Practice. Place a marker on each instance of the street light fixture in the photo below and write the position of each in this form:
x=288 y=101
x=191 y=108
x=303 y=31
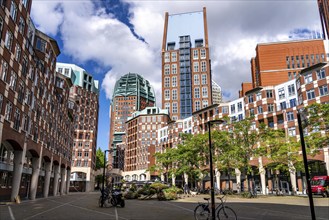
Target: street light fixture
x=212 y=191
x=301 y=117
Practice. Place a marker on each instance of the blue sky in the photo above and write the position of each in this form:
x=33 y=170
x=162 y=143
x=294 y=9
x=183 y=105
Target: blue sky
x=109 y=38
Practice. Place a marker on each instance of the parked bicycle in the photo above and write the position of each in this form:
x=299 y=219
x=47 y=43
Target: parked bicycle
x=203 y=212
x=111 y=197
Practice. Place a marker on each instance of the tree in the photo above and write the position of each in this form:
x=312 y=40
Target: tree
x=99 y=159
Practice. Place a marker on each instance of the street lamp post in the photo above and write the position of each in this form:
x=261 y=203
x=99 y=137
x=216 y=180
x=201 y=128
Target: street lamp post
x=104 y=170
x=300 y=114
x=212 y=191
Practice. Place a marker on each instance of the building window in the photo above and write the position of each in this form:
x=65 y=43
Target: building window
x=283 y=105
x=250 y=98
x=41 y=45
x=204 y=79
x=258 y=96
x=308 y=78
x=167 y=94
x=204 y=103
x=260 y=109
x=293 y=102
x=173 y=57
x=86 y=153
x=24 y=2
x=197 y=105
x=203 y=53
x=167 y=57
x=9 y=40
x=174 y=68
x=291 y=90
x=196 y=79
x=195 y=66
x=1 y=101
x=323 y=90
x=292 y=132
x=290 y=116
x=174 y=107
x=270 y=107
x=8 y=110
x=203 y=66
x=239 y=106
x=225 y=109
x=18 y=52
x=13 y=10
x=197 y=93
x=281 y=93
x=67 y=71
x=13 y=79
x=17 y=119
x=174 y=81
x=166 y=69
x=252 y=112
x=167 y=106
x=269 y=93
x=310 y=94
x=195 y=54
x=174 y=94
x=21 y=27
x=167 y=82
x=204 y=92
x=4 y=71
x=321 y=74
x=233 y=109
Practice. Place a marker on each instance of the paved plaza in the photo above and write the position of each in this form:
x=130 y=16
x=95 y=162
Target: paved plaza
x=85 y=206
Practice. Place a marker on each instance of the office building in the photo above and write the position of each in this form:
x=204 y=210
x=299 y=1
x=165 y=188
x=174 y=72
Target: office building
x=85 y=95
x=324 y=16
x=131 y=93
x=278 y=62
x=36 y=126
x=186 y=67
x=216 y=93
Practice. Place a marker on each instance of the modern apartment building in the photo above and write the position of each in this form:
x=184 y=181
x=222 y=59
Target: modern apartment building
x=278 y=62
x=141 y=140
x=131 y=93
x=85 y=95
x=324 y=16
x=216 y=93
x=36 y=124
x=186 y=67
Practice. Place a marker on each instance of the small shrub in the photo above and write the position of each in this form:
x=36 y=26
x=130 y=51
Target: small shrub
x=130 y=195
x=245 y=194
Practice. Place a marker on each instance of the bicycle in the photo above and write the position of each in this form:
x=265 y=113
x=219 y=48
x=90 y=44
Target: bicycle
x=202 y=211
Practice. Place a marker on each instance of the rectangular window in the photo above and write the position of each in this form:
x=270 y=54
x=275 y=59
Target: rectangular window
x=203 y=66
x=252 y=112
x=258 y=96
x=233 y=109
x=167 y=82
x=321 y=74
x=281 y=93
x=204 y=92
x=8 y=110
x=225 y=109
x=197 y=93
x=269 y=93
x=290 y=116
x=13 y=79
x=166 y=69
x=323 y=90
x=204 y=79
x=195 y=66
x=174 y=94
x=195 y=54
x=260 y=109
x=174 y=107
x=18 y=52
x=167 y=106
x=250 y=98
x=167 y=94
x=270 y=107
x=174 y=81
x=292 y=132
x=173 y=57
x=196 y=79
x=13 y=10
x=239 y=106
x=308 y=78
x=9 y=40
x=167 y=57
x=197 y=105
x=203 y=53
x=291 y=90
x=310 y=94
x=283 y=105
x=17 y=119
x=4 y=71
x=21 y=25
x=174 y=68
x=41 y=45
x=204 y=103
x=293 y=102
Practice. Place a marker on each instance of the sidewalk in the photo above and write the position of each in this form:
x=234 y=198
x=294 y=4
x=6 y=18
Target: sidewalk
x=288 y=200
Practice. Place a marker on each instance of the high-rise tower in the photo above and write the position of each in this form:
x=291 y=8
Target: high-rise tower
x=131 y=93
x=324 y=16
x=186 y=69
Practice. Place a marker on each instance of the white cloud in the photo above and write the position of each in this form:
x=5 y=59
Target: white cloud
x=235 y=28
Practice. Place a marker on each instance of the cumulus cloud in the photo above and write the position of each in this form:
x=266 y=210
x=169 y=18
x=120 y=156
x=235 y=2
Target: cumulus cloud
x=89 y=32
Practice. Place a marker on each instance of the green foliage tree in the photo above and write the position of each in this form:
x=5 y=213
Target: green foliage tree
x=99 y=159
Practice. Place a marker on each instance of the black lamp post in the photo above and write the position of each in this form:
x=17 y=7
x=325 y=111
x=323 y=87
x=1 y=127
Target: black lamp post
x=300 y=115
x=212 y=191
x=104 y=170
